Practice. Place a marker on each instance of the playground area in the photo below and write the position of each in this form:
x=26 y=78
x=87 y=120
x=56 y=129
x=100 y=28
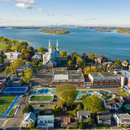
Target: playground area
x=83 y=93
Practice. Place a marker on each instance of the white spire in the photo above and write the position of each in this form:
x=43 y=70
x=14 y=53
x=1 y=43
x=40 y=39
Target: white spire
x=57 y=46
x=49 y=49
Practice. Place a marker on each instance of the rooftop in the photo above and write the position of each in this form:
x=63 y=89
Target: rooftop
x=123 y=116
x=103 y=74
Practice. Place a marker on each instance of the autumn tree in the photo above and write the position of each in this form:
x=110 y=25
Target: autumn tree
x=63 y=53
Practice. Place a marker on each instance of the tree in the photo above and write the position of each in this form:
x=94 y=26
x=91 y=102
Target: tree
x=77 y=125
x=1 y=59
x=81 y=125
x=90 y=121
x=31 y=50
x=31 y=124
x=87 y=70
x=42 y=49
x=91 y=56
x=27 y=75
x=81 y=63
x=118 y=62
x=67 y=93
x=70 y=62
x=63 y=53
x=93 y=103
x=79 y=107
x=129 y=69
x=93 y=69
x=28 y=108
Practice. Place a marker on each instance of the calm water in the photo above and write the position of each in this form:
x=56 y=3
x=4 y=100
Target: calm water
x=112 y=45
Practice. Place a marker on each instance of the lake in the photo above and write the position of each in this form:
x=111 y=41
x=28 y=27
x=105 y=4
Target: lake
x=113 y=45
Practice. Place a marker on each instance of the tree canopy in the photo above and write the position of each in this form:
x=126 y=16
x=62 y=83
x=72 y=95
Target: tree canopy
x=67 y=93
x=93 y=103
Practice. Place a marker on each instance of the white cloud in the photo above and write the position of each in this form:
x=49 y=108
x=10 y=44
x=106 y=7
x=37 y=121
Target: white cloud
x=40 y=9
x=50 y=14
x=23 y=1
x=22 y=5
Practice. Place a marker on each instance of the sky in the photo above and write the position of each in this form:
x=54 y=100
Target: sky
x=65 y=12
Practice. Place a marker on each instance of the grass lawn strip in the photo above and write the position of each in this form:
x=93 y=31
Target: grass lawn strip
x=5 y=102
x=41 y=98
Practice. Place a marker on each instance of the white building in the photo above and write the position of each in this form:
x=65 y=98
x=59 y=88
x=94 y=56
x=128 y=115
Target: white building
x=37 y=56
x=13 y=55
x=52 y=57
x=28 y=117
x=123 y=119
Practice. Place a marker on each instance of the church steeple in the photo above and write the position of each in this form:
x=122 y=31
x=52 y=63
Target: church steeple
x=57 y=46
x=49 y=46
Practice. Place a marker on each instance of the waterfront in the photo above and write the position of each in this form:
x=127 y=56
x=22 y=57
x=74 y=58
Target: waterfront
x=112 y=45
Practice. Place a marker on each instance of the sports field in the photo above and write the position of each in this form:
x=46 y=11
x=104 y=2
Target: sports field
x=5 y=102
x=41 y=98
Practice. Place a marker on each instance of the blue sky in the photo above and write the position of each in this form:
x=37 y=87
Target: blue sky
x=65 y=12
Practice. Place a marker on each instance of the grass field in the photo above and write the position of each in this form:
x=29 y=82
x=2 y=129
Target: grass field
x=3 y=45
x=5 y=102
x=41 y=98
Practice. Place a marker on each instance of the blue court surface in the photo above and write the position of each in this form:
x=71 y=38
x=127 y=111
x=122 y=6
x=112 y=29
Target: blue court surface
x=15 y=90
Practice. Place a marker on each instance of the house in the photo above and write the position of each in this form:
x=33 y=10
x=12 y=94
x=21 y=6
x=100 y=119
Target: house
x=65 y=121
x=2 y=67
x=37 y=56
x=45 y=121
x=125 y=99
x=125 y=63
x=104 y=118
x=52 y=58
x=100 y=60
x=115 y=104
x=83 y=115
x=13 y=55
x=28 y=117
x=108 y=64
x=104 y=79
x=122 y=118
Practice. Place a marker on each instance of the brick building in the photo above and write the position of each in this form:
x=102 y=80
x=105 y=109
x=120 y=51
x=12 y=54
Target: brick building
x=104 y=79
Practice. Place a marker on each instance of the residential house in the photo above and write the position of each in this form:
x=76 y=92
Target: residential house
x=65 y=121
x=104 y=118
x=28 y=117
x=122 y=118
x=37 y=56
x=83 y=115
x=45 y=121
x=125 y=99
x=115 y=104
x=102 y=59
x=2 y=82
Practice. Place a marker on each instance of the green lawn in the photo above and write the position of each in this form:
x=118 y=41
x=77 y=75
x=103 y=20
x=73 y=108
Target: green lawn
x=3 y=45
x=41 y=98
x=5 y=102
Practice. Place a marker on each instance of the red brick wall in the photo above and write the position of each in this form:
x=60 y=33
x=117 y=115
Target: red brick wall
x=2 y=85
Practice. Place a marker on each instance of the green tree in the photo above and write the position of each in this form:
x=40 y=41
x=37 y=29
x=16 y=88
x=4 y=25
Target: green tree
x=42 y=49
x=93 y=103
x=27 y=75
x=81 y=63
x=90 y=121
x=91 y=56
x=28 y=108
x=1 y=59
x=67 y=93
x=70 y=62
x=77 y=125
x=118 y=62
x=31 y=124
x=81 y=125
x=79 y=107
x=129 y=69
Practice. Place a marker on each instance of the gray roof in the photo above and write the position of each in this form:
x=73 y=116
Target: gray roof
x=83 y=113
x=104 y=116
x=30 y=115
